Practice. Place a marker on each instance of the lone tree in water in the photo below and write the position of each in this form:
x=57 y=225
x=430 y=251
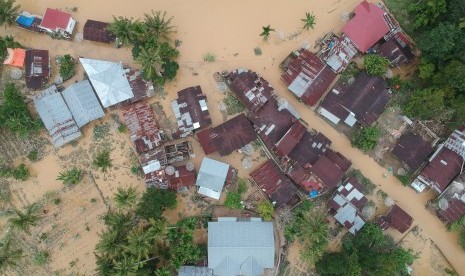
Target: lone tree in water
x=8 y=12
x=309 y=20
x=266 y=32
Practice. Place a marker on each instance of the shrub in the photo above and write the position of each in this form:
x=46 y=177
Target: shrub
x=155 y=201
x=265 y=209
x=257 y=51
x=57 y=201
x=209 y=57
x=366 y=138
x=101 y=131
x=122 y=128
x=21 y=173
x=375 y=64
x=233 y=200
x=72 y=176
x=67 y=67
x=33 y=155
x=233 y=105
x=93 y=200
x=242 y=186
x=5 y=171
x=103 y=161
x=41 y=258
x=404 y=179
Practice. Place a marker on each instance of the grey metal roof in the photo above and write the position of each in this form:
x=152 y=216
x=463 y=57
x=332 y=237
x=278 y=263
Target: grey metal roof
x=212 y=174
x=56 y=116
x=240 y=247
x=83 y=103
x=109 y=80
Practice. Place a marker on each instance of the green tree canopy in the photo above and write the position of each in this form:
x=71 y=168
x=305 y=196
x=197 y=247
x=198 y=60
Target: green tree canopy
x=126 y=198
x=440 y=43
x=265 y=209
x=309 y=20
x=366 y=138
x=426 y=12
x=233 y=200
x=8 y=12
x=67 y=67
x=266 y=31
x=154 y=202
x=375 y=64
x=425 y=103
x=103 y=160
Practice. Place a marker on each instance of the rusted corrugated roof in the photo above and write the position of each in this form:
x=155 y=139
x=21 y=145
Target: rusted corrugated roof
x=292 y=137
x=397 y=218
x=444 y=167
x=37 y=65
x=412 y=150
x=97 y=31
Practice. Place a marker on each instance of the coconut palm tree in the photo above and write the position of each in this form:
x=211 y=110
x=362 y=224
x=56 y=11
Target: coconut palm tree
x=110 y=244
x=72 y=176
x=24 y=220
x=9 y=255
x=151 y=62
x=126 y=199
x=128 y=265
x=158 y=25
x=119 y=222
x=140 y=243
x=309 y=20
x=266 y=31
x=8 y=12
x=123 y=29
x=102 y=160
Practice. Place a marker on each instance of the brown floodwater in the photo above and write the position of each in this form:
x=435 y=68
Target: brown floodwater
x=230 y=30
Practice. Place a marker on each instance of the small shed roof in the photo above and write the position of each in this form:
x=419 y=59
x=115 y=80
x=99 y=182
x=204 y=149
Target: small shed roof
x=83 y=103
x=37 y=63
x=240 y=247
x=367 y=27
x=212 y=174
x=15 y=57
x=396 y=50
x=56 y=116
x=412 y=150
x=109 y=81
x=55 y=19
x=227 y=137
x=97 y=31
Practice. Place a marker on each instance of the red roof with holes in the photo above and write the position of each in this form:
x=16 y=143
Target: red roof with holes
x=367 y=27
x=54 y=19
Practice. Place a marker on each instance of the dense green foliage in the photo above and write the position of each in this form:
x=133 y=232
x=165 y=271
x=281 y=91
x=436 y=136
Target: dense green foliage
x=233 y=200
x=309 y=20
x=370 y=252
x=21 y=172
x=72 y=176
x=103 y=161
x=33 y=155
x=154 y=202
x=375 y=65
x=7 y=42
x=266 y=31
x=366 y=138
x=266 y=209
x=437 y=91
x=14 y=114
x=309 y=228
x=67 y=67
x=151 y=44
x=233 y=105
x=8 y=12
x=126 y=198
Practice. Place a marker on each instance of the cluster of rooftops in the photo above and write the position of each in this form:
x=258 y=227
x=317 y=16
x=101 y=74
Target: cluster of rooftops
x=301 y=163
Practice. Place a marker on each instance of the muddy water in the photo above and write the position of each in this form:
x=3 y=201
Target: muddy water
x=230 y=30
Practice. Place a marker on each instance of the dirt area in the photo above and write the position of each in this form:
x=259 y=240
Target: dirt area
x=233 y=45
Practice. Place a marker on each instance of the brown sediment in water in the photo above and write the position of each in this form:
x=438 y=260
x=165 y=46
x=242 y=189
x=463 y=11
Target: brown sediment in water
x=231 y=32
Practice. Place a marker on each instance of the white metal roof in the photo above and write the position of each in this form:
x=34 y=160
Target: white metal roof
x=109 y=81
x=212 y=174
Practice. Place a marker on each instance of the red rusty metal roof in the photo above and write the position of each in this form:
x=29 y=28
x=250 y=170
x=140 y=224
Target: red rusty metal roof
x=97 y=31
x=312 y=75
x=292 y=137
x=143 y=128
x=440 y=172
x=55 y=19
x=327 y=172
x=367 y=27
x=397 y=218
x=227 y=137
x=275 y=185
x=340 y=160
x=454 y=211
x=412 y=150
x=310 y=148
x=396 y=50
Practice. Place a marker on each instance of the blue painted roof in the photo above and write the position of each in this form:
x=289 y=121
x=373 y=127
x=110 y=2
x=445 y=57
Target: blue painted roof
x=313 y=193
x=25 y=20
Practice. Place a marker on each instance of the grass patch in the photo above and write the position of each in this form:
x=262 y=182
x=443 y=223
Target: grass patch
x=101 y=131
x=257 y=51
x=209 y=57
x=21 y=173
x=41 y=258
x=405 y=179
x=33 y=155
x=233 y=105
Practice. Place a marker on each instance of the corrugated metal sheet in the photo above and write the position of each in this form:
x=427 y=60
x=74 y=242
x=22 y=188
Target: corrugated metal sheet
x=212 y=174
x=83 y=103
x=56 y=116
x=240 y=247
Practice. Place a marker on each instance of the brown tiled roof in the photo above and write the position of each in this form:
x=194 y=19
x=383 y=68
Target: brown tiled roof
x=190 y=110
x=97 y=31
x=292 y=137
x=440 y=172
x=314 y=77
x=454 y=211
x=143 y=128
x=37 y=63
x=412 y=150
x=272 y=124
x=367 y=98
x=328 y=172
x=396 y=50
x=251 y=89
x=227 y=137
x=397 y=218
x=276 y=186
x=310 y=148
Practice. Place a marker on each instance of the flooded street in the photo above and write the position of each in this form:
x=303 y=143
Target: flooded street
x=230 y=30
